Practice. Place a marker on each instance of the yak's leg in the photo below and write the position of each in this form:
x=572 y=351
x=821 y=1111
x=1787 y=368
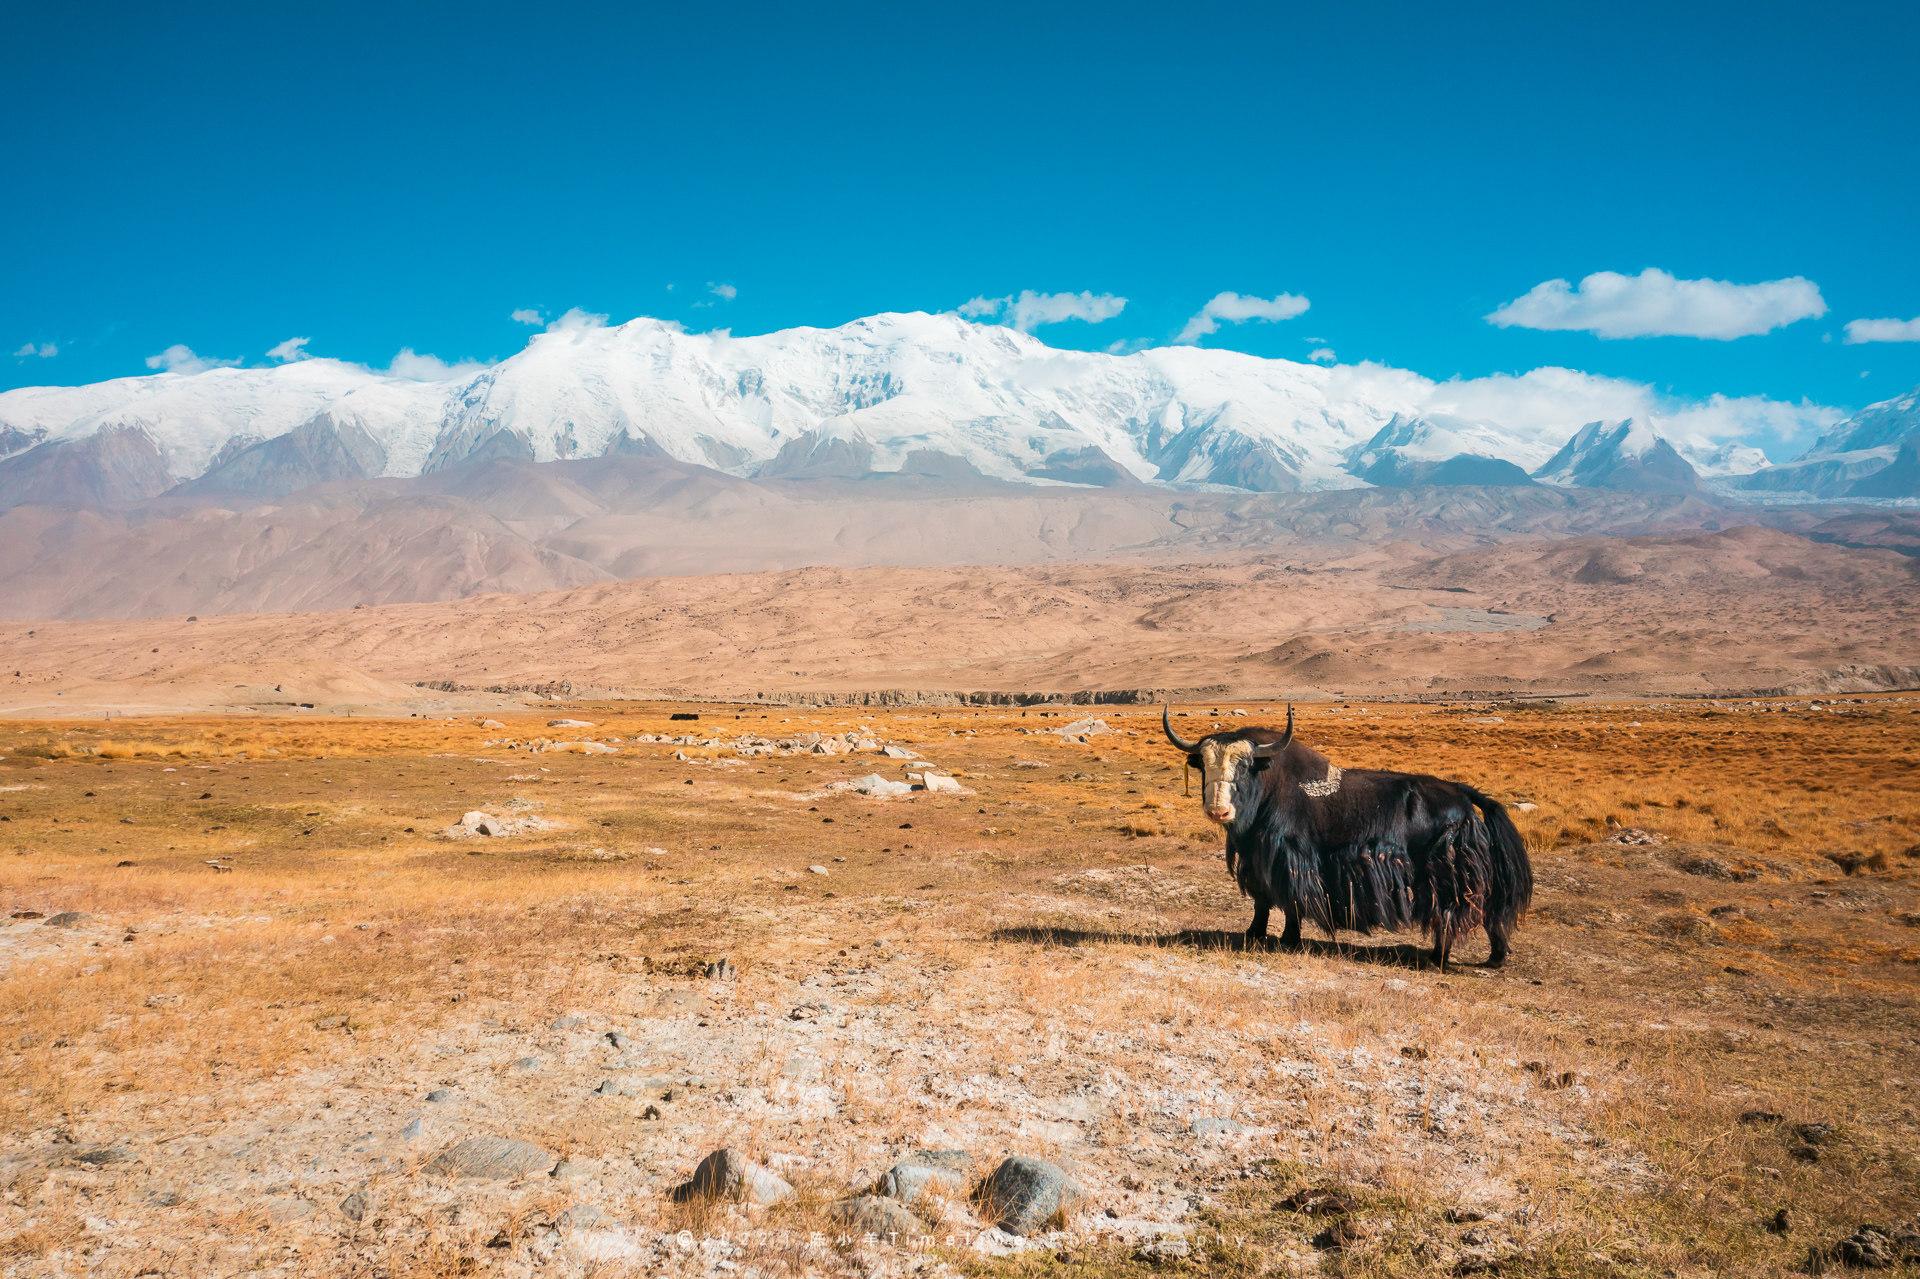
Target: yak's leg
x=1497 y=934
x=1257 y=930
x=1290 y=935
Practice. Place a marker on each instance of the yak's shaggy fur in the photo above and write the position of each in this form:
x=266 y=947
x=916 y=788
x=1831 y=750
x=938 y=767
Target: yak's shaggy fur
x=1380 y=850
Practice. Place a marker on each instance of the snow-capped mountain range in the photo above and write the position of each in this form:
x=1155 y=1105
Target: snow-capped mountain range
x=934 y=394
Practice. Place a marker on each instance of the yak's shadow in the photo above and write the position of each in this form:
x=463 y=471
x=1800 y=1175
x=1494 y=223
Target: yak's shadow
x=1393 y=954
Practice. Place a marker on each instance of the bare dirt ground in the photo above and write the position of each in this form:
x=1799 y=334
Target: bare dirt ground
x=289 y=989
x=1743 y=609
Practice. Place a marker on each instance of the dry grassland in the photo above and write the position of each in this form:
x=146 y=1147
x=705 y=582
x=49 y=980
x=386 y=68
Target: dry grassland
x=1701 y=1060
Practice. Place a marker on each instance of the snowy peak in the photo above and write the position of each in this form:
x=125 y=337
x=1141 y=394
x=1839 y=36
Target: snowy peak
x=1848 y=460
x=1439 y=449
x=932 y=395
x=1627 y=455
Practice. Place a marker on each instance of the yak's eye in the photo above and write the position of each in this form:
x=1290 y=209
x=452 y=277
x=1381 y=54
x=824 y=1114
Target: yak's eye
x=1260 y=765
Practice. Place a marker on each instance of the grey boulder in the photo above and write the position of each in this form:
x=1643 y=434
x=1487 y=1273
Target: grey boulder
x=728 y=1174
x=1025 y=1195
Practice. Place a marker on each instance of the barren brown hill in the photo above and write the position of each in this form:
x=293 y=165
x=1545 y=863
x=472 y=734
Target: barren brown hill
x=1743 y=609
x=519 y=528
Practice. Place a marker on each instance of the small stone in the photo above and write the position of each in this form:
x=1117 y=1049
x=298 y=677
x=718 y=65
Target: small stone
x=354 y=1206
x=440 y=1094
x=619 y=1041
x=817 y=870
x=568 y=723
x=579 y=1216
x=414 y=1127
x=66 y=919
x=876 y=1215
x=1163 y=1249
x=490 y=1158
x=491 y=723
x=608 y=1088
x=527 y=1064
x=1024 y=1195
x=913 y=1177
x=728 y=1174
x=102 y=1156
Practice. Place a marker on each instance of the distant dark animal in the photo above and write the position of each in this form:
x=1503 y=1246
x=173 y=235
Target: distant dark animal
x=1359 y=848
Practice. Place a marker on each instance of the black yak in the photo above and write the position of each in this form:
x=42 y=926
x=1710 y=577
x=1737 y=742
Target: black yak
x=1358 y=848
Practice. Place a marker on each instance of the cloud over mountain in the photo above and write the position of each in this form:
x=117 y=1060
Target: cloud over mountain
x=1656 y=304
x=1238 y=308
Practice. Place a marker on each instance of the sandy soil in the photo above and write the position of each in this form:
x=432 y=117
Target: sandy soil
x=1743 y=609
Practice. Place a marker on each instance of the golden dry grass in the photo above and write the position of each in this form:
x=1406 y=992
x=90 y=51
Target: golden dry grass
x=996 y=961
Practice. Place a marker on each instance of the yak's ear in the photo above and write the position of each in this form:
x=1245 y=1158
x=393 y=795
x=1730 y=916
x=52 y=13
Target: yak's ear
x=1194 y=761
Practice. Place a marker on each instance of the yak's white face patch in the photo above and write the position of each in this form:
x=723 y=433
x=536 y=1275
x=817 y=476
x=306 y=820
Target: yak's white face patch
x=1220 y=766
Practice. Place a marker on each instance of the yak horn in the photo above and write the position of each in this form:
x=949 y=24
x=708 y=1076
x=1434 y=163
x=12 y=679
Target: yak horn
x=1166 y=722
x=1274 y=748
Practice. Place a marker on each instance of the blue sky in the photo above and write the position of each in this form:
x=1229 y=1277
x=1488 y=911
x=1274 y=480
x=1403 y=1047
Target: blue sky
x=401 y=176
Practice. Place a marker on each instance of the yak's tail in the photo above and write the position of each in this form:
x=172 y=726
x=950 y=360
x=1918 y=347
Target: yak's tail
x=1510 y=890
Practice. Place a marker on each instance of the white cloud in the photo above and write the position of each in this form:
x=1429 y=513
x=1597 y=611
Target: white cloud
x=42 y=351
x=725 y=292
x=1028 y=310
x=1859 y=331
x=574 y=319
x=179 y=358
x=289 y=350
x=1238 y=308
x=1550 y=404
x=415 y=367
x=1655 y=304
x=1323 y=355
x=527 y=315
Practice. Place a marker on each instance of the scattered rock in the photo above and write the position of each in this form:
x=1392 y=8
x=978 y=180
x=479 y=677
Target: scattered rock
x=1851 y=863
x=491 y=1159
x=817 y=870
x=1163 y=1250
x=872 y=785
x=578 y=1217
x=1868 y=1248
x=66 y=919
x=1319 y=1201
x=1025 y=1195
x=567 y=1021
x=1634 y=836
x=939 y=784
x=728 y=1174
x=440 y=1094
x=102 y=1156
x=876 y=1215
x=897 y=752
x=1084 y=728
x=354 y=1207
x=567 y=723
x=491 y=723
x=923 y=1171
